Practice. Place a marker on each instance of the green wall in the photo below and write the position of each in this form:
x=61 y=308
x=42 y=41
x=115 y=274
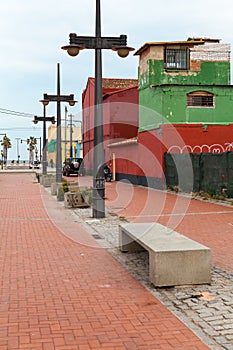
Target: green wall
x=162 y=95
x=217 y=73
x=161 y=105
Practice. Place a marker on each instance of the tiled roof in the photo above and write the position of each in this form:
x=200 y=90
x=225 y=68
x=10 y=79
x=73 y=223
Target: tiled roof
x=111 y=85
x=117 y=83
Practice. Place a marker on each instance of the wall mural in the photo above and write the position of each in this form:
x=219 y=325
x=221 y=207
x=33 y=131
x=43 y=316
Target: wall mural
x=214 y=148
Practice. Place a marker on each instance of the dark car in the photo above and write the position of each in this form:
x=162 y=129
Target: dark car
x=73 y=166
x=35 y=165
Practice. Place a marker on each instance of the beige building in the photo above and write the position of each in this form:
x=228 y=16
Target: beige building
x=65 y=143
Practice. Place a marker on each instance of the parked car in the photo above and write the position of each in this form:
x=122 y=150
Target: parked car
x=73 y=166
x=35 y=165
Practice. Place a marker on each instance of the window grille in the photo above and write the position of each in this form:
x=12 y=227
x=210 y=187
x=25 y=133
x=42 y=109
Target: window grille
x=200 y=99
x=176 y=59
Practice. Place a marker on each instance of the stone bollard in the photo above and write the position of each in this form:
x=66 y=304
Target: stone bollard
x=54 y=187
x=47 y=180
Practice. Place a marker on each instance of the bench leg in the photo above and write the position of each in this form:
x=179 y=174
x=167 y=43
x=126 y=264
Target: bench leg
x=127 y=244
x=180 y=268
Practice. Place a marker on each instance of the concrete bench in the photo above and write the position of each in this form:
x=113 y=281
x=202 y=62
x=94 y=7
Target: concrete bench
x=173 y=258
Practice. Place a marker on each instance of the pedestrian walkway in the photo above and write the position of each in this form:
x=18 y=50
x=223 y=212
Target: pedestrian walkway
x=207 y=222
x=62 y=293
x=206 y=309
x=204 y=221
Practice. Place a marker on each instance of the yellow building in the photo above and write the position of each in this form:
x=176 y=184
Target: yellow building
x=77 y=150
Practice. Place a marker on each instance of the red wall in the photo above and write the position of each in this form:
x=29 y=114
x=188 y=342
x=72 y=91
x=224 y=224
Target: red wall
x=88 y=99
x=198 y=138
x=141 y=158
x=120 y=119
x=146 y=157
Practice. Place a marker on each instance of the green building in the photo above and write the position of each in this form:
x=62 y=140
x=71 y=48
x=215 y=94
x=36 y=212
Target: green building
x=184 y=82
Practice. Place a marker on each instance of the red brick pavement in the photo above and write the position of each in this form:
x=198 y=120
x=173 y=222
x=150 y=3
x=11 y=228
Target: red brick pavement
x=59 y=294
x=208 y=223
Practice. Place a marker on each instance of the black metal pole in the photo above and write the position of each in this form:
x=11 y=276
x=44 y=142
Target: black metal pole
x=18 y=149
x=44 y=162
x=40 y=149
x=58 y=148
x=65 y=129
x=18 y=155
x=71 y=131
x=98 y=178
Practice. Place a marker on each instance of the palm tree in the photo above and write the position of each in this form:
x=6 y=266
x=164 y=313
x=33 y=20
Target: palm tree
x=31 y=146
x=6 y=143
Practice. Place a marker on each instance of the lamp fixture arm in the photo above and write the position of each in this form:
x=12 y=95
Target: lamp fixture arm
x=90 y=42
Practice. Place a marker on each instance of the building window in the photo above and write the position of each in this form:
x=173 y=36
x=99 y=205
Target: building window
x=176 y=59
x=200 y=99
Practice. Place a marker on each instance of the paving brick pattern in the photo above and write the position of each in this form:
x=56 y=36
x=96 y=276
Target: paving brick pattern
x=203 y=221
x=206 y=309
x=56 y=293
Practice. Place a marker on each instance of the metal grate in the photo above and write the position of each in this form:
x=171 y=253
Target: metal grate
x=176 y=59
x=96 y=236
x=200 y=101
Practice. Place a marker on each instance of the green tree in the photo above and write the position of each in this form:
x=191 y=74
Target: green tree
x=31 y=141
x=6 y=143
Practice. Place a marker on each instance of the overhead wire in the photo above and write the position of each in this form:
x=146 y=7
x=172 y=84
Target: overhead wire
x=22 y=114
x=20 y=128
x=15 y=113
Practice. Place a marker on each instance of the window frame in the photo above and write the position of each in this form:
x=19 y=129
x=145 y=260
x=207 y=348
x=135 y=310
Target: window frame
x=184 y=62
x=200 y=99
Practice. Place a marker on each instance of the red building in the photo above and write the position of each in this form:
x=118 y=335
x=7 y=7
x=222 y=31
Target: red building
x=141 y=159
x=185 y=106
x=181 y=103
x=120 y=115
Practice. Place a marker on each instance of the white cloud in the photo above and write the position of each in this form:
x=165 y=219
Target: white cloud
x=32 y=33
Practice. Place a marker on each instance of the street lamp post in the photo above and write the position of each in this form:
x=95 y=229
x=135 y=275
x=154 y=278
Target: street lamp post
x=71 y=132
x=36 y=150
x=18 y=155
x=44 y=119
x=71 y=124
x=98 y=43
x=81 y=132
x=58 y=98
x=66 y=111
x=2 y=154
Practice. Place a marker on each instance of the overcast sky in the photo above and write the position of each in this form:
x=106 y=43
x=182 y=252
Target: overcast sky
x=32 y=33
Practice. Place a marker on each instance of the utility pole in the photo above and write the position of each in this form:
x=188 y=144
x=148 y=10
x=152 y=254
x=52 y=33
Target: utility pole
x=66 y=111
x=71 y=132
x=18 y=155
